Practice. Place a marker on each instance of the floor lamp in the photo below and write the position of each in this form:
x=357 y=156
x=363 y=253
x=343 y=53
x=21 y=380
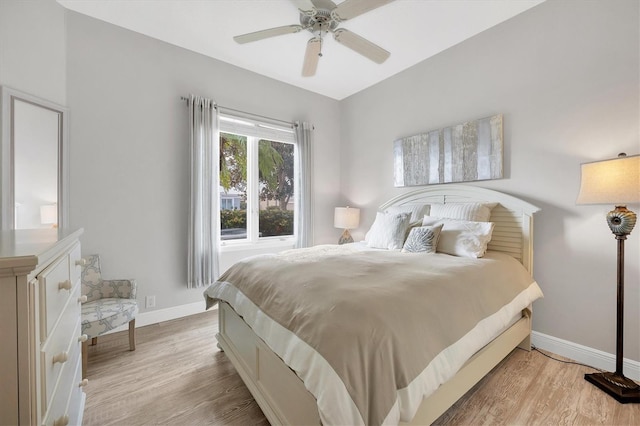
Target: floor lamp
x=617 y=182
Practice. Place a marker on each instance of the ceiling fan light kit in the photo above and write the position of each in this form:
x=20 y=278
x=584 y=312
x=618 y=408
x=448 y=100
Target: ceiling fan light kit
x=321 y=17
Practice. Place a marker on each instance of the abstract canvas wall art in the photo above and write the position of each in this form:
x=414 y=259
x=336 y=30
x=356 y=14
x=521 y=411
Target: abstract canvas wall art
x=462 y=153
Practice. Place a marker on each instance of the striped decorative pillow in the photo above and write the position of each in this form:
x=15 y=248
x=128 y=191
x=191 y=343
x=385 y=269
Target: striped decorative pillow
x=417 y=212
x=476 y=212
x=422 y=239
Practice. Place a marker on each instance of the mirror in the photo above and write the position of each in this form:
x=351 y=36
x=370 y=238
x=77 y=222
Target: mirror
x=34 y=162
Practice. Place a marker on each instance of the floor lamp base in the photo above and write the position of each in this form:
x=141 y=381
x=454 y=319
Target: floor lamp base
x=624 y=390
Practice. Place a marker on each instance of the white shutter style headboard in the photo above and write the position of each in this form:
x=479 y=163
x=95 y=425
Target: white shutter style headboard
x=513 y=217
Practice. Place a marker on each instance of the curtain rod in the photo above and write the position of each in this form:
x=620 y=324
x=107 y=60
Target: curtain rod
x=249 y=114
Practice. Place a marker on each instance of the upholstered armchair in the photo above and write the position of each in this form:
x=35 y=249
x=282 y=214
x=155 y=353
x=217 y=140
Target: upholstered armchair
x=109 y=304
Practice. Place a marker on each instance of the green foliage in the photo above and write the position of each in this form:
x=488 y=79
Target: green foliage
x=275 y=168
x=269 y=162
x=233 y=162
x=233 y=219
x=273 y=222
x=280 y=185
x=276 y=222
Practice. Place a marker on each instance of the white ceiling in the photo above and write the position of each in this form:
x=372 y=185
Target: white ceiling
x=412 y=30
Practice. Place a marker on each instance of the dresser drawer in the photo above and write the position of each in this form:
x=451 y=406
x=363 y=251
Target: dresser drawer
x=55 y=290
x=75 y=263
x=75 y=408
x=65 y=407
x=61 y=349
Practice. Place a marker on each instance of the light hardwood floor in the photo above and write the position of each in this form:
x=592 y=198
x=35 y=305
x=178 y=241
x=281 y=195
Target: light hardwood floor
x=177 y=376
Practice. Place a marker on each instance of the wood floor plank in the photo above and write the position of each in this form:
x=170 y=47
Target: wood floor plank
x=177 y=376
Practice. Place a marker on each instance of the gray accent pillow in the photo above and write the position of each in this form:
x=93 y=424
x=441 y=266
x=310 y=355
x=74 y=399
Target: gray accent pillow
x=422 y=239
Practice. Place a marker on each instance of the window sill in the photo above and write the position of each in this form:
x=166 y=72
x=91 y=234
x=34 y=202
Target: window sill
x=276 y=243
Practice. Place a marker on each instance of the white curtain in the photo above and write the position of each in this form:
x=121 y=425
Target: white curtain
x=304 y=164
x=203 y=196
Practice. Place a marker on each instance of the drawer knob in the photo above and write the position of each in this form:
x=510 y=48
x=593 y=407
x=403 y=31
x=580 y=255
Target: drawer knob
x=62 y=357
x=83 y=338
x=64 y=285
x=82 y=299
x=83 y=383
x=61 y=421
x=81 y=262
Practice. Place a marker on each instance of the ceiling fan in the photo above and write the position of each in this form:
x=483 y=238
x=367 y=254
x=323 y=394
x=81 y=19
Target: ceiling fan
x=321 y=17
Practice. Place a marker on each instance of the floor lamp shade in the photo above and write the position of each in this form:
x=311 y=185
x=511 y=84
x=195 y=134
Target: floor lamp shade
x=346 y=218
x=617 y=182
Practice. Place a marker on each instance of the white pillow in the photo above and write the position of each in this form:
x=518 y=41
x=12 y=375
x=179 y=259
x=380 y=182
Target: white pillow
x=462 y=237
x=422 y=239
x=417 y=212
x=388 y=231
x=476 y=212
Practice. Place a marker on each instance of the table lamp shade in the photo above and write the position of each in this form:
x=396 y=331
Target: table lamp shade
x=346 y=217
x=49 y=214
x=615 y=181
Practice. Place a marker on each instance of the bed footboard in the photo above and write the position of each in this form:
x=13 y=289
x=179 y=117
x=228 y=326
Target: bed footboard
x=283 y=398
x=276 y=388
x=473 y=371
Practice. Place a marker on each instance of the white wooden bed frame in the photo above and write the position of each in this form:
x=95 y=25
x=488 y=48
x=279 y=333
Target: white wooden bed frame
x=281 y=394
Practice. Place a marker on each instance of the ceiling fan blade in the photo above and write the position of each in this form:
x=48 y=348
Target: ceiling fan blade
x=349 y=9
x=324 y=4
x=304 y=5
x=361 y=45
x=271 y=32
x=311 y=57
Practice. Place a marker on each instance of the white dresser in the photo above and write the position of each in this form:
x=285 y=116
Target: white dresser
x=40 y=350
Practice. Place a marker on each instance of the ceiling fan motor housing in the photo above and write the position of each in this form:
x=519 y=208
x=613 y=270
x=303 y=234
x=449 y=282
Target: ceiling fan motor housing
x=320 y=21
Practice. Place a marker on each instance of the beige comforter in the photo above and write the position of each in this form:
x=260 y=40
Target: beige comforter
x=377 y=317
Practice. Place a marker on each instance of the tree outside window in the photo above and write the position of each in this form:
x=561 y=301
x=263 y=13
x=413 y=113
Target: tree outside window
x=259 y=175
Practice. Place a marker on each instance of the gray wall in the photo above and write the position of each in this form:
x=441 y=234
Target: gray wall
x=32 y=59
x=129 y=148
x=565 y=74
x=33 y=48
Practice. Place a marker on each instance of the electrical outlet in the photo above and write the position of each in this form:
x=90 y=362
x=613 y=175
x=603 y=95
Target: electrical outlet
x=150 y=302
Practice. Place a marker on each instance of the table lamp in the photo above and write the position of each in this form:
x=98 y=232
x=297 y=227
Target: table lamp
x=615 y=181
x=49 y=215
x=346 y=218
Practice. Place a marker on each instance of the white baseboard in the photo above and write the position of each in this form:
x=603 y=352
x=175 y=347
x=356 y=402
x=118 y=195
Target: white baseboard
x=584 y=354
x=166 y=314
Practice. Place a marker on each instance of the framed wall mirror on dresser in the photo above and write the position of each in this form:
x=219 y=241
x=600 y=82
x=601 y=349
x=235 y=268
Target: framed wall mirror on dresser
x=34 y=178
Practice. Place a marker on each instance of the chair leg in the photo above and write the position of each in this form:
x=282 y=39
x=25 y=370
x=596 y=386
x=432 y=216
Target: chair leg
x=132 y=335
x=85 y=358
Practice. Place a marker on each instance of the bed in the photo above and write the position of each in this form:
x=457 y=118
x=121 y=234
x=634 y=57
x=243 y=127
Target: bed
x=309 y=371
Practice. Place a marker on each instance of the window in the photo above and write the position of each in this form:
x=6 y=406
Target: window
x=229 y=203
x=257 y=174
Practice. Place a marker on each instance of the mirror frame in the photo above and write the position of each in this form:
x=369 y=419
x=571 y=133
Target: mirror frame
x=7 y=196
